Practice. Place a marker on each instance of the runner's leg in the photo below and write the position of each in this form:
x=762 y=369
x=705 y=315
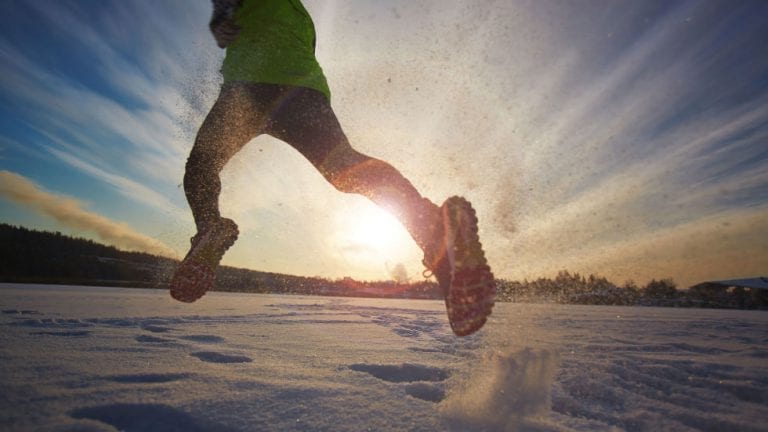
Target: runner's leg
x=233 y=121
x=306 y=121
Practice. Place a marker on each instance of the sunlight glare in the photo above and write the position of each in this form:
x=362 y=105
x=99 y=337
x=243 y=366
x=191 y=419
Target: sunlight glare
x=376 y=229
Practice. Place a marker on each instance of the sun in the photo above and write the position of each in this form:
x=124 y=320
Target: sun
x=371 y=241
x=376 y=229
x=367 y=232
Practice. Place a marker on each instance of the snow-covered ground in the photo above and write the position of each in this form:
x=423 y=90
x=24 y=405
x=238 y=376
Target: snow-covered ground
x=95 y=359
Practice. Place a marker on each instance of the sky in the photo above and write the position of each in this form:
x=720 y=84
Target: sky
x=621 y=138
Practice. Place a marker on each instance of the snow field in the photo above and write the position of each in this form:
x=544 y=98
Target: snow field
x=103 y=359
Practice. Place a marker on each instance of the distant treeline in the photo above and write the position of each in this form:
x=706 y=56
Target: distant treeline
x=44 y=257
x=30 y=256
x=572 y=288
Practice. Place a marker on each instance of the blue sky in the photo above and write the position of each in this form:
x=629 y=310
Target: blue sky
x=623 y=138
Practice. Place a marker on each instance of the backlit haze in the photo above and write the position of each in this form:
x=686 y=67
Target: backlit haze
x=623 y=138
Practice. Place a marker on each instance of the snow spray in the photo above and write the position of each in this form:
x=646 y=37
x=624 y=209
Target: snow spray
x=505 y=391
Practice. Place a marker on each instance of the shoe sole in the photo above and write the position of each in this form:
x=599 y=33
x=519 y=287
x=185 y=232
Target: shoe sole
x=472 y=292
x=196 y=273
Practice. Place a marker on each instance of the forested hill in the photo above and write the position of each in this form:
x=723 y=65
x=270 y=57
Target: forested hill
x=31 y=256
x=38 y=256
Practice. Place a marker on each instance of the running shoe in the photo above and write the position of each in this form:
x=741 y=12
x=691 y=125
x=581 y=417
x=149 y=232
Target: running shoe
x=472 y=290
x=197 y=272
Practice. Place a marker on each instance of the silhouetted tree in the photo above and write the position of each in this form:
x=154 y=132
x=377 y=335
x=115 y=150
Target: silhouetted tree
x=660 y=289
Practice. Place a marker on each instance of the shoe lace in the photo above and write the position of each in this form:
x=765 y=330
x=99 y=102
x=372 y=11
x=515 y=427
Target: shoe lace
x=427 y=272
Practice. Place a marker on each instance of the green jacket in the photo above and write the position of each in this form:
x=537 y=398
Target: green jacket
x=276 y=45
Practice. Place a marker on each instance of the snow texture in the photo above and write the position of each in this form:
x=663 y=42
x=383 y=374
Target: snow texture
x=105 y=359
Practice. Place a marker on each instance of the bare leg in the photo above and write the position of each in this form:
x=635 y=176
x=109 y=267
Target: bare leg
x=305 y=120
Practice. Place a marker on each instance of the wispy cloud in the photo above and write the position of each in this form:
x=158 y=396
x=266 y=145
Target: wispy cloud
x=142 y=124
x=99 y=126
x=127 y=187
x=628 y=143
x=70 y=213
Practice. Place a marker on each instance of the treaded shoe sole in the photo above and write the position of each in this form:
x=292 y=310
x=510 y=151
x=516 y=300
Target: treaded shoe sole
x=191 y=281
x=197 y=272
x=472 y=292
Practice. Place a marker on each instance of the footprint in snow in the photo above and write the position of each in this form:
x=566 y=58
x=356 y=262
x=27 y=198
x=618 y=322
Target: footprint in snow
x=20 y=312
x=407 y=372
x=426 y=391
x=153 y=340
x=147 y=417
x=156 y=328
x=203 y=338
x=407 y=332
x=217 y=357
x=147 y=378
x=66 y=334
x=424 y=382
